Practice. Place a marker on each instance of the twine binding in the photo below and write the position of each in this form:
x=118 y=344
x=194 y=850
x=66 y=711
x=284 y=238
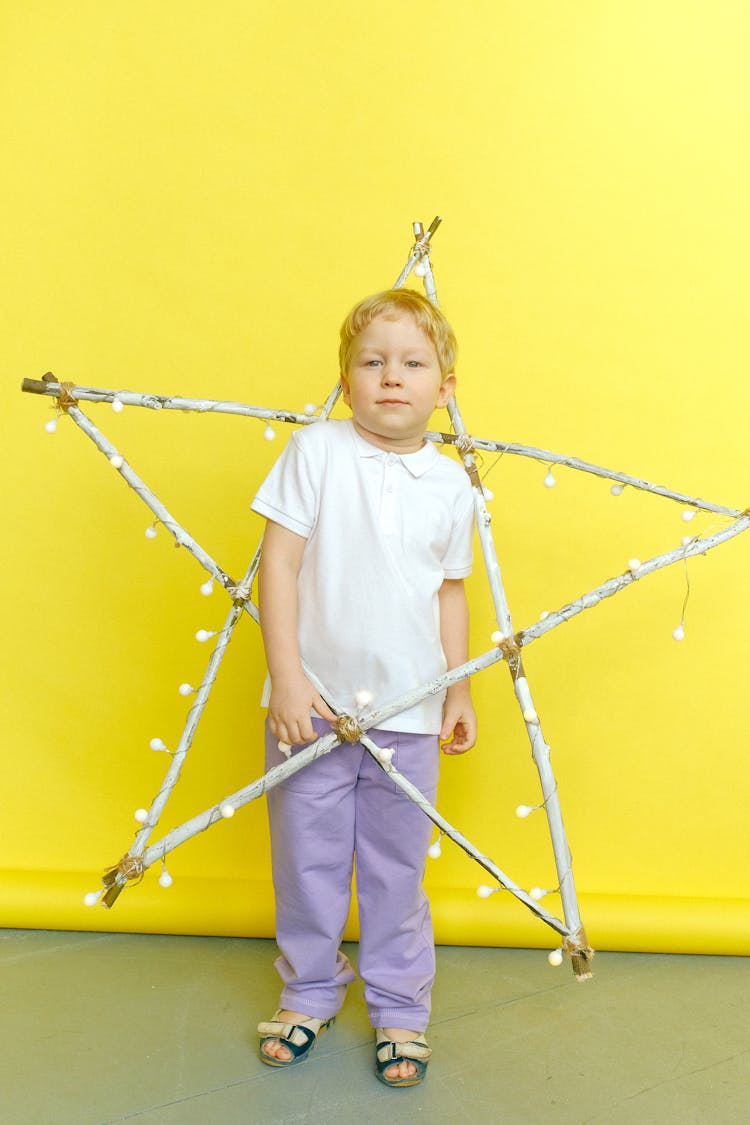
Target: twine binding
x=347 y=729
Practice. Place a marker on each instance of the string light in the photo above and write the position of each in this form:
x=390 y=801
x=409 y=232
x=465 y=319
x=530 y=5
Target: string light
x=165 y=879
x=544 y=615
x=385 y=756
x=92 y=898
x=679 y=632
x=483 y=891
x=689 y=514
x=141 y=815
x=549 y=480
x=530 y=715
x=434 y=851
x=269 y=433
x=150 y=532
x=227 y=810
x=420 y=269
x=157 y=744
x=617 y=489
x=363 y=699
x=497 y=637
x=555 y=957
x=116 y=461
x=186 y=689
x=488 y=495
x=537 y=893
x=310 y=409
x=117 y=404
x=51 y=426
x=204 y=635
x=522 y=811
x=634 y=565
x=207 y=588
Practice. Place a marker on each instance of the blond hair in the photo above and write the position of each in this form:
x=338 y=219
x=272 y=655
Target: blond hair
x=427 y=316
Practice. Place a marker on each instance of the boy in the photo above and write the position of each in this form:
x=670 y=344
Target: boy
x=367 y=543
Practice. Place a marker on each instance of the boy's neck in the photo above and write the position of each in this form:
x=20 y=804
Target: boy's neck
x=388 y=444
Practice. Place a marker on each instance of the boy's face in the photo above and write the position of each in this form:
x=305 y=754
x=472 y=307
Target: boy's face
x=394 y=383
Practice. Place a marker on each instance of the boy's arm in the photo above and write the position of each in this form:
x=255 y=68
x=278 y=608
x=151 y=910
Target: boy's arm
x=459 y=717
x=292 y=694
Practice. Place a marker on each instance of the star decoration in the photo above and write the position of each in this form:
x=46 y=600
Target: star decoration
x=507 y=645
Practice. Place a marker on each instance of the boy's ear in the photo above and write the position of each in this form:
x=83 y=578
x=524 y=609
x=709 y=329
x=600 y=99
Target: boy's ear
x=447 y=390
x=345 y=389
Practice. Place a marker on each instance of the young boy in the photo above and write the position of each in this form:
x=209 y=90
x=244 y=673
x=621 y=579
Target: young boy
x=367 y=543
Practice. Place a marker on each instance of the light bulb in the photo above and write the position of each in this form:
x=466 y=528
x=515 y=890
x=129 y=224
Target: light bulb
x=522 y=811
x=269 y=433
x=51 y=426
x=117 y=405
x=689 y=514
x=157 y=744
x=544 y=615
x=497 y=637
x=207 y=588
x=617 y=489
x=419 y=269
x=679 y=632
x=555 y=957
x=165 y=879
x=487 y=494
x=91 y=898
x=363 y=698
x=227 y=810
x=434 y=851
x=116 y=461
x=537 y=893
x=309 y=409
x=549 y=480
x=186 y=689
x=530 y=715
x=484 y=891
x=141 y=815
x=634 y=565
x=204 y=635
x=150 y=532
x=385 y=755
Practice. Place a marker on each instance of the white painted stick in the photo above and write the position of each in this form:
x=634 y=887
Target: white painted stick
x=545 y=456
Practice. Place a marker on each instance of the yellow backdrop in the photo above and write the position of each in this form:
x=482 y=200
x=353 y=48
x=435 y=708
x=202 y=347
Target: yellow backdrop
x=192 y=196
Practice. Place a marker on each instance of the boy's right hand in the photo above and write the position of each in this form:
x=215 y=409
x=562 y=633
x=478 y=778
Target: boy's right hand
x=292 y=698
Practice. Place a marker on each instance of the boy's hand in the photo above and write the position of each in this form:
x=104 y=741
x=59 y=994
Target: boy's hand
x=292 y=697
x=459 y=721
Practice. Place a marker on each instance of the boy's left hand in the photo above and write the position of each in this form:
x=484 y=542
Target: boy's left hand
x=459 y=722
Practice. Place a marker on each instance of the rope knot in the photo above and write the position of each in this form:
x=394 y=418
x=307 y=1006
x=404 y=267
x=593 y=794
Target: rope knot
x=129 y=867
x=464 y=444
x=347 y=729
x=65 y=399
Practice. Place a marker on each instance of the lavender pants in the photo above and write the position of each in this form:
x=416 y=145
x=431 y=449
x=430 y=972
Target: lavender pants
x=338 y=808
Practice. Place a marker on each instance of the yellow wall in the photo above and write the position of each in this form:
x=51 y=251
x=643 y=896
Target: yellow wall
x=192 y=196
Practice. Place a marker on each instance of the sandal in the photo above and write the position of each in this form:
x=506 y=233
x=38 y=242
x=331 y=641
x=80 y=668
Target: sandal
x=388 y=1053
x=299 y=1038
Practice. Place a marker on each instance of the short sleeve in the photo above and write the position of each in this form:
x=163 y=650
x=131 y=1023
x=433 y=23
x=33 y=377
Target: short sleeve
x=288 y=495
x=457 y=560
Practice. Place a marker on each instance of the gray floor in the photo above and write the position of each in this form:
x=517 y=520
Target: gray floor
x=103 y=1028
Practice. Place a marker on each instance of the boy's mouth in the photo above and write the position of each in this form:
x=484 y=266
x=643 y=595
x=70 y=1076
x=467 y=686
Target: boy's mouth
x=392 y=402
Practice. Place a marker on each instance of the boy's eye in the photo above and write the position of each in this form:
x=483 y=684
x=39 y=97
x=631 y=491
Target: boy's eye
x=372 y=362
x=413 y=363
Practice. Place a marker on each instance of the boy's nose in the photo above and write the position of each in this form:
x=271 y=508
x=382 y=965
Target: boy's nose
x=392 y=374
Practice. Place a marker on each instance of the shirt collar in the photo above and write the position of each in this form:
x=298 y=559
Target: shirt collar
x=417 y=463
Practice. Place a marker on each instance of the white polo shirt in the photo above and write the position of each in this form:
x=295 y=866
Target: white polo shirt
x=383 y=530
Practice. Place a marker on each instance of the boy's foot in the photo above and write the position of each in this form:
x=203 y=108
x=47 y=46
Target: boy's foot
x=408 y=1052
x=289 y=1037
